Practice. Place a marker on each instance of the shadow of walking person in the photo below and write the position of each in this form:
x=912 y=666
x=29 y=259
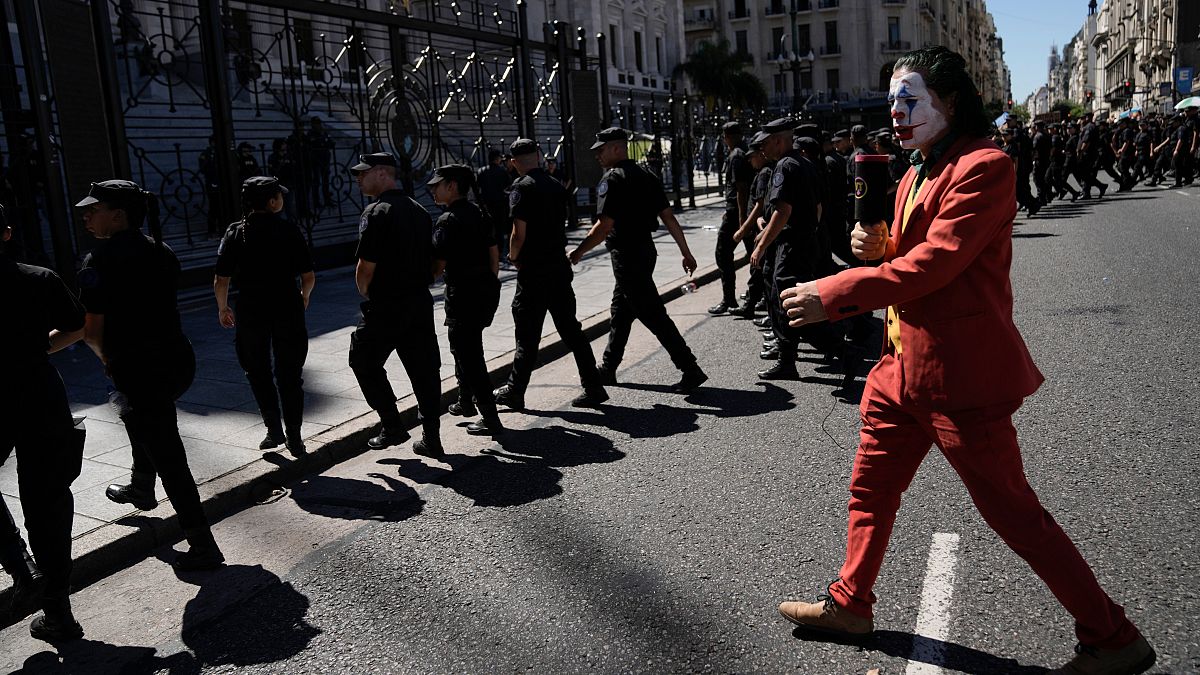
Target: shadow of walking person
x=921 y=649
x=556 y=446
x=657 y=421
x=352 y=499
x=243 y=615
x=486 y=480
x=91 y=657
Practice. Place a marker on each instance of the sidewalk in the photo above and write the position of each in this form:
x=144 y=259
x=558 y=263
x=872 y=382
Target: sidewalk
x=219 y=420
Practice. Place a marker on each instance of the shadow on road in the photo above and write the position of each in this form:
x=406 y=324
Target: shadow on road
x=947 y=655
x=242 y=616
x=353 y=499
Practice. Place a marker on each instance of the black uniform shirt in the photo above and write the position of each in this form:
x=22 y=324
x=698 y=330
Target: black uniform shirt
x=541 y=201
x=36 y=302
x=1041 y=147
x=738 y=173
x=1128 y=142
x=1143 y=143
x=1187 y=132
x=633 y=197
x=132 y=281
x=264 y=254
x=795 y=182
x=761 y=185
x=463 y=240
x=838 y=187
x=493 y=181
x=1090 y=135
x=396 y=234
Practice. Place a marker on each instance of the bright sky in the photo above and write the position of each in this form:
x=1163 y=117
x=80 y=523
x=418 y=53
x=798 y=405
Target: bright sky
x=1028 y=28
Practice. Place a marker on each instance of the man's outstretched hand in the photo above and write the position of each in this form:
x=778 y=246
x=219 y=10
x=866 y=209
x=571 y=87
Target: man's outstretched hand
x=803 y=305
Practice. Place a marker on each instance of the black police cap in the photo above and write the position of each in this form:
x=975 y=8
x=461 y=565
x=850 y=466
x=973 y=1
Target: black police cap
x=778 y=125
x=841 y=134
x=461 y=174
x=732 y=129
x=262 y=186
x=756 y=142
x=608 y=135
x=373 y=160
x=807 y=143
x=858 y=130
x=807 y=130
x=118 y=193
x=523 y=146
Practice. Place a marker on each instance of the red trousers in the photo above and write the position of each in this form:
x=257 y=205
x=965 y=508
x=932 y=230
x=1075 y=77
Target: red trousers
x=982 y=447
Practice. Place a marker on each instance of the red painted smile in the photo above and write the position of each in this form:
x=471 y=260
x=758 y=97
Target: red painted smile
x=905 y=132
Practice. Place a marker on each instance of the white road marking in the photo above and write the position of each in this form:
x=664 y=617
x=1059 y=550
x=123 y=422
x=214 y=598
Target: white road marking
x=933 y=620
x=1185 y=194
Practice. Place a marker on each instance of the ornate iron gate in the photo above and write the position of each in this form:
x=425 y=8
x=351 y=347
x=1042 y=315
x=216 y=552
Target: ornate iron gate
x=303 y=87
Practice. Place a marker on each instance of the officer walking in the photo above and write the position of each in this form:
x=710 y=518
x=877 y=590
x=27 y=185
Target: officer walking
x=749 y=229
x=738 y=175
x=1089 y=158
x=262 y=255
x=465 y=249
x=538 y=208
x=128 y=287
x=35 y=419
x=393 y=274
x=793 y=225
x=493 y=185
x=1041 y=162
x=630 y=203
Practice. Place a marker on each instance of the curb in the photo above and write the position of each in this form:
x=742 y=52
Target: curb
x=114 y=546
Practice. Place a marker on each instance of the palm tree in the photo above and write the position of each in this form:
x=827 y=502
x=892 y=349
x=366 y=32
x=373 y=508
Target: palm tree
x=720 y=75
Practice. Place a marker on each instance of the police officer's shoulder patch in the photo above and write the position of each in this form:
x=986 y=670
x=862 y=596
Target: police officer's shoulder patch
x=88 y=277
x=602 y=188
x=362 y=222
x=514 y=196
x=777 y=178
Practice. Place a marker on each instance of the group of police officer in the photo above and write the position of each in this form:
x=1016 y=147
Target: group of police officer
x=1133 y=150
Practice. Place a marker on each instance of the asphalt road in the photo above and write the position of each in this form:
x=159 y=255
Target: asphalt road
x=658 y=534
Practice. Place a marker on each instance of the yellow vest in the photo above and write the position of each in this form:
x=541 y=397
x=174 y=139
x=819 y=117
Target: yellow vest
x=893 y=316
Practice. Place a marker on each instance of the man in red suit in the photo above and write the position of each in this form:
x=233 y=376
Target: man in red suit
x=954 y=368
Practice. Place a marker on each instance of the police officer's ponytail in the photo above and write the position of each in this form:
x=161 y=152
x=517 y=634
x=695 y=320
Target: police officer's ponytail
x=153 y=219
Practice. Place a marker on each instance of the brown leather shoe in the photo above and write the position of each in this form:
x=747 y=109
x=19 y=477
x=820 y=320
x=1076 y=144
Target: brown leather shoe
x=826 y=616
x=1136 y=657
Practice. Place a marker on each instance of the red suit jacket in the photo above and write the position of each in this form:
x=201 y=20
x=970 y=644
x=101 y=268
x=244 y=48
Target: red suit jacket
x=947 y=275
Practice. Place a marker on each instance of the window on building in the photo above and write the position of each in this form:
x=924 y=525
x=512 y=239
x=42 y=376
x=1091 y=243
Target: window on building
x=777 y=47
x=833 y=80
x=780 y=87
x=806 y=79
x=354 y=51
x=613 y=41
x=893 y=30
x=241 y=30
x=741 y=43
x=803 y=39
x=831 y=37
x=638 y=58
x=659 y=60
x=304 y=40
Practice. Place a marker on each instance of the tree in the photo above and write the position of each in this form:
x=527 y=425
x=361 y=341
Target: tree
x=1020 y=112
x=720 y=76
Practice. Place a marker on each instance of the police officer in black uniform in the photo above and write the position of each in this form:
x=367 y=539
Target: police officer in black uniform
x=1088 y=158
x=262 y=254
x=538 y=208
x=247 y=165
x=35 y=419
x=749 y=228
x=793 y=225
x=493 y=181
x=630 y=203
x=1187 y=140
x=393 y=275
x=1041 y=162
x=1143 y=145
x=738 y=175
x=128 y=287
x=464 y=247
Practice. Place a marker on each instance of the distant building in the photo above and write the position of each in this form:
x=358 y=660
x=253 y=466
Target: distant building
x=841 y=53
x=1139 y=46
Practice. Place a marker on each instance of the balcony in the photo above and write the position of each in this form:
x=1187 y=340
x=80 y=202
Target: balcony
x=831 y=50
x=699 y=23
x=828 y=4
x=897 y=46
x=775 y=9
x=740 y=13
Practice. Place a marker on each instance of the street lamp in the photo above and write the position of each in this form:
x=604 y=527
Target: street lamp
x=796 y=63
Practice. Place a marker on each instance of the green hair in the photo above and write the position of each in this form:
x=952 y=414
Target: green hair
x=946 y=73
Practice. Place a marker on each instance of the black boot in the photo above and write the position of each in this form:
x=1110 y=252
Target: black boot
x=429 y=446
x=56 y=623
x=273 y=439
x=590 y=398
x=139 y=492
x=295 y=446
x=486 y=426
x=28 y=581
x=463 y=408
x=723 y=307
x=390 y=433
x=692 y=378
x=606 y=375
x=510 y=397
x=202 y=554
x=784 y=369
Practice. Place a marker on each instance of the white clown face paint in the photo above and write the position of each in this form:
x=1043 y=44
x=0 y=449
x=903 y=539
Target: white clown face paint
x=918 y=117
